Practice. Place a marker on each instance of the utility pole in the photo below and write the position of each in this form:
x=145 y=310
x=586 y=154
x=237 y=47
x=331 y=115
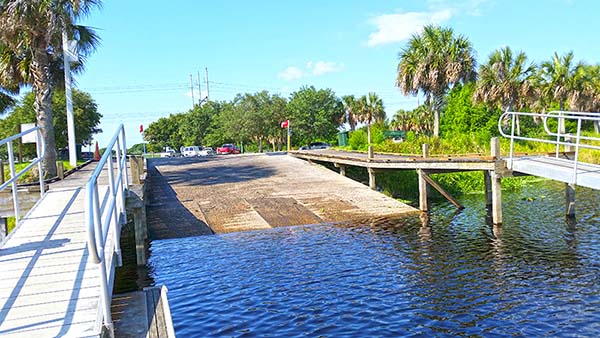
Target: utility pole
x=207 y=90
x=192 y=88
x=199 y=90
x=70 y=117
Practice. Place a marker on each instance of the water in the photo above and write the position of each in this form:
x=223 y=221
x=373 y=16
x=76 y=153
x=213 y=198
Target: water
x=454 y=276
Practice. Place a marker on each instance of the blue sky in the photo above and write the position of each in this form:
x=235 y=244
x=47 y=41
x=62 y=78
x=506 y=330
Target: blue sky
x=141 y=71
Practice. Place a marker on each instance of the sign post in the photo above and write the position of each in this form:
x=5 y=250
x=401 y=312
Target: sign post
x=286 y=124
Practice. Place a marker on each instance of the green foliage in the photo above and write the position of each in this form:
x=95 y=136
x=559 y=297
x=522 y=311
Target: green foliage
x=85 y=112
x=136 y=149
x=463 y=116
x=314 y=114
x=358 y=140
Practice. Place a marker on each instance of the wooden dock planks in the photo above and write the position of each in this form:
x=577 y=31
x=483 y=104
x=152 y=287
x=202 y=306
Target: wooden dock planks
x=48 y=285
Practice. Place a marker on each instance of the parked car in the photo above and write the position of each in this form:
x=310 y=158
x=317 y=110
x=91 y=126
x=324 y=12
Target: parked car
x=207 y=151
x=316 y=145
x=193 y=151
x=168 y=152
x=228 y=148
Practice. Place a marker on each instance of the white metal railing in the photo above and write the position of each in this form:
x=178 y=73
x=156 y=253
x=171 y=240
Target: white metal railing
x=14 y=176
x=105 y=218
x=558 y=137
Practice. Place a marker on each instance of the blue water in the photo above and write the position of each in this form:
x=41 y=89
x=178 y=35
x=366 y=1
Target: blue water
x=450 y=275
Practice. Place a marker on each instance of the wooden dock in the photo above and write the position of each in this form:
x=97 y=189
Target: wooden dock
x=48 y=285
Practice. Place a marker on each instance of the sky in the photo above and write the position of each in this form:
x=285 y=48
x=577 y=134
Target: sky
x=141 y=70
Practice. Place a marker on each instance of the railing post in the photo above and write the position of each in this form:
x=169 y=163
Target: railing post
x=39 y=152
x=512 y=140
x=11 y=165
x=105 y=296
x=114 y=213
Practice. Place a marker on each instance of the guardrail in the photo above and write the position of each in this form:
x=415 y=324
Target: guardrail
x=104 y=218
x=558 y=137
x=14 y=176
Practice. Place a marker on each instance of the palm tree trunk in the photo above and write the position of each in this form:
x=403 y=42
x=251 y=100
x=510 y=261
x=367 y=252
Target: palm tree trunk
x=369 y=133
x=436 y=107
x=561 y=122
x=43 y=108
x=260 y=144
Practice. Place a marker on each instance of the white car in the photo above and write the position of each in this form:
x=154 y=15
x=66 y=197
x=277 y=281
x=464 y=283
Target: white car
x=193 y=151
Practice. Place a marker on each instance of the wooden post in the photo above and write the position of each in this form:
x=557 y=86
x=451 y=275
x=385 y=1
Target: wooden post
x=1 y=172
x=370 y=154
x=372 y=183
x=60 y=170
x=496 y=183
x=140 y=243
x=570 y=199
x=343 y=170
x=487 y=182
x=137 y=169
x=442 y=191
x=3 y=228
x=423 y=204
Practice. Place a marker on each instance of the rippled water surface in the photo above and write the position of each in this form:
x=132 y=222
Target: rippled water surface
x=450 y=275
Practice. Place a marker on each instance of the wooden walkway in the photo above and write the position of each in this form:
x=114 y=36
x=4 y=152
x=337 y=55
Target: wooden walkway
x=562 y=170
x=394 y=162
x=48 y=286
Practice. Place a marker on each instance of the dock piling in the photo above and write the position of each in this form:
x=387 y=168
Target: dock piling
x=570 y=199
x=487 y=182
x=423 y=204
x=496 y=183
x=3 y=228
x=372 y=183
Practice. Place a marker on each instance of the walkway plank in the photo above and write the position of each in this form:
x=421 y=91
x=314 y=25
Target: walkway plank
x=588 y=175
x=49 y=286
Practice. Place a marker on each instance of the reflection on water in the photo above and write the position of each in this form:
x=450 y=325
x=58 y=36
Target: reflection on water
x=445 y=273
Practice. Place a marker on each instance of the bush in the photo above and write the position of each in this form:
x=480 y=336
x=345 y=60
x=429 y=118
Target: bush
x=358 y=140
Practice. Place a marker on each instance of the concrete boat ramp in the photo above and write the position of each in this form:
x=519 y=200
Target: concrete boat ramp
x=251 y=192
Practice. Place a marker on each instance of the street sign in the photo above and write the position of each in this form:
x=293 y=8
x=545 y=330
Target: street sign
x=141 y=128
x=285 y=124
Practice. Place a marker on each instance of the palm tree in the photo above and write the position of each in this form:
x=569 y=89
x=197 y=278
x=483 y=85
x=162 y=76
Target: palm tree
x=432 y=62
x=349 y=102
x=370 y=109
x=32 y=33
x=586 y=97
x=558 y=80
x=403 y=120
x=505 y=81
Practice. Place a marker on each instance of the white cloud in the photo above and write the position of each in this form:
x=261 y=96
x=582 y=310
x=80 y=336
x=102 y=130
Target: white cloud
x=401 y=26
x=291 y=73
x=312 y=68
x=323 y=67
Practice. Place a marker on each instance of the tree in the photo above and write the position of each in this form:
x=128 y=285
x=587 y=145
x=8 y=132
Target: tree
x=586 y=97
x=505 y=81
x=165 y=132
x=31 y=32
x=85 y=112
x=314 y=114
x=349 y=102
x=433 y=62
x=370 y=109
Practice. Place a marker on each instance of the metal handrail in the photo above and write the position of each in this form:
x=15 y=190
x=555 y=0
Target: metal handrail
x=104 y=220
x=560 y=138
x=40 y=146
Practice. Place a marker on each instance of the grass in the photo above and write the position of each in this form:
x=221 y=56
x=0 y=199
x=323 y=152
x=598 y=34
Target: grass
x=28 y=177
